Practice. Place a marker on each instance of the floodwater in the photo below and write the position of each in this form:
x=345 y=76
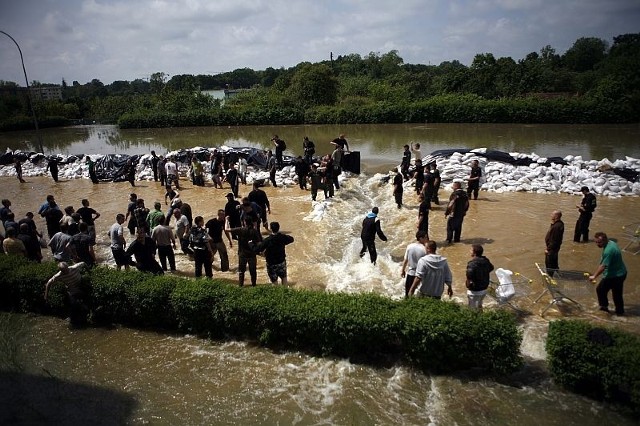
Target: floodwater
x=182 y=379
x=376 y=142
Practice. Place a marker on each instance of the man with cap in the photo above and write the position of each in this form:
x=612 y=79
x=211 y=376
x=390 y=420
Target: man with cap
x=586 y=208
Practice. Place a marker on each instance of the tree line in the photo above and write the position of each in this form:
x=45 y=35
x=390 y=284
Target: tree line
x=591 y=82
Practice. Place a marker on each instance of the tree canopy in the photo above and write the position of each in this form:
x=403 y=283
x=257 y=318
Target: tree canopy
x=589 y=69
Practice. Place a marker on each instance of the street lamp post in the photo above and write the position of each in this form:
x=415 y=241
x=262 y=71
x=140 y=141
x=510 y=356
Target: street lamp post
x=26 y=80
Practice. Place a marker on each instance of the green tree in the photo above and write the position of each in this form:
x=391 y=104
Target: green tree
x=507 y=77
x=482 y=75
x=158 y=81
x=269 y=76
x=313 y=84
x=585 y=54
x=183 y=82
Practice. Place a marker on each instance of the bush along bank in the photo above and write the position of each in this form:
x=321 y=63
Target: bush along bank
x=438 y=109
x=435 y=336
x=600 y=363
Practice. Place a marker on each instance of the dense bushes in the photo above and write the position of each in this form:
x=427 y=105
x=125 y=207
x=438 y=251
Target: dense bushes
x=603 y=364
x=212 y=117
x=436 y=336
x=439 y=109
x=26 y=123
x=474 y=109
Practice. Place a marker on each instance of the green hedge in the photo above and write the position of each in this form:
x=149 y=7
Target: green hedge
x=433 y=335
x=600 y=363
x=26 y=123
x=438 y=109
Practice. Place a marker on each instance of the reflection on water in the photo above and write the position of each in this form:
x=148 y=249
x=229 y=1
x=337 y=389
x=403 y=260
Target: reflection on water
x=376 y=141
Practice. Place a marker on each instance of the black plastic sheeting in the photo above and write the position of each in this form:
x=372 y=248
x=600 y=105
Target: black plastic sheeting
x=258 y=159
x=35 y=157
x=629 y=174
x=113 y=167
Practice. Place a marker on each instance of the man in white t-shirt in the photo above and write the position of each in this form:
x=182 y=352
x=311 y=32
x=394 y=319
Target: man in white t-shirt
x=414 y=252
x=118 y=243
x=182 y=231
x=172 y=172
x=415 y=149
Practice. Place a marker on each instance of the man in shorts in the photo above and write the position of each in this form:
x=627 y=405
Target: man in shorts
x=275 y=254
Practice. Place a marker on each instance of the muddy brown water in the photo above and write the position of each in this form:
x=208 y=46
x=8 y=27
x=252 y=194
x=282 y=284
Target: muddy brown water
x=152 y=378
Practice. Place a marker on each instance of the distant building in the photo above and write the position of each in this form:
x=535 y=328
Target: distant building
x=49 y=93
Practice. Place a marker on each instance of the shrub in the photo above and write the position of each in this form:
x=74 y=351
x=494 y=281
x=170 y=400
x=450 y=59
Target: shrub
x=435 y=336
x=600 y=363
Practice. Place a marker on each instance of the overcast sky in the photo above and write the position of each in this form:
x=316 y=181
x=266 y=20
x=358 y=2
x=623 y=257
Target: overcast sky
x=128 y=39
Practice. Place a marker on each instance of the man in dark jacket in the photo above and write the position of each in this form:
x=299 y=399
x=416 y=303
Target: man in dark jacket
x=553 y=241
x=275 y=254
x=260 y=197
x=456 y=210
x=586 y=209
x=478 y=270
x=144 y=250
x=371 y=227
x=302 y=170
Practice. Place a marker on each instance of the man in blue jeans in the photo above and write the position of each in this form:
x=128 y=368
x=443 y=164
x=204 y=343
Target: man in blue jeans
x=613 y=272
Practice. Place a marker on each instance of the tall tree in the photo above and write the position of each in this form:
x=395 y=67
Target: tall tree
x=585 y=53
x=157 y=81
x=313 y=84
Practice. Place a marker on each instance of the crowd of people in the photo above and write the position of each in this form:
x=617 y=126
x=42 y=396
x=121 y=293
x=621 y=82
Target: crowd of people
x=428 y=273
x=155 y=233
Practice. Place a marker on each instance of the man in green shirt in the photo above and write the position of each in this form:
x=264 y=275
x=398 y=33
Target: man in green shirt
x=154 y=217
x=613 y=274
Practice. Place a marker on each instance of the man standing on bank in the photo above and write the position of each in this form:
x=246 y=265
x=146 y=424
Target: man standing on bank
x=586 y=208
x=455 y=212
x=371 y=227
x=553 y=241
x=613 y=272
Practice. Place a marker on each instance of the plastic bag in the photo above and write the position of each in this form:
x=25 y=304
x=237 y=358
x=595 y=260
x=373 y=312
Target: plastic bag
x=505 y=290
